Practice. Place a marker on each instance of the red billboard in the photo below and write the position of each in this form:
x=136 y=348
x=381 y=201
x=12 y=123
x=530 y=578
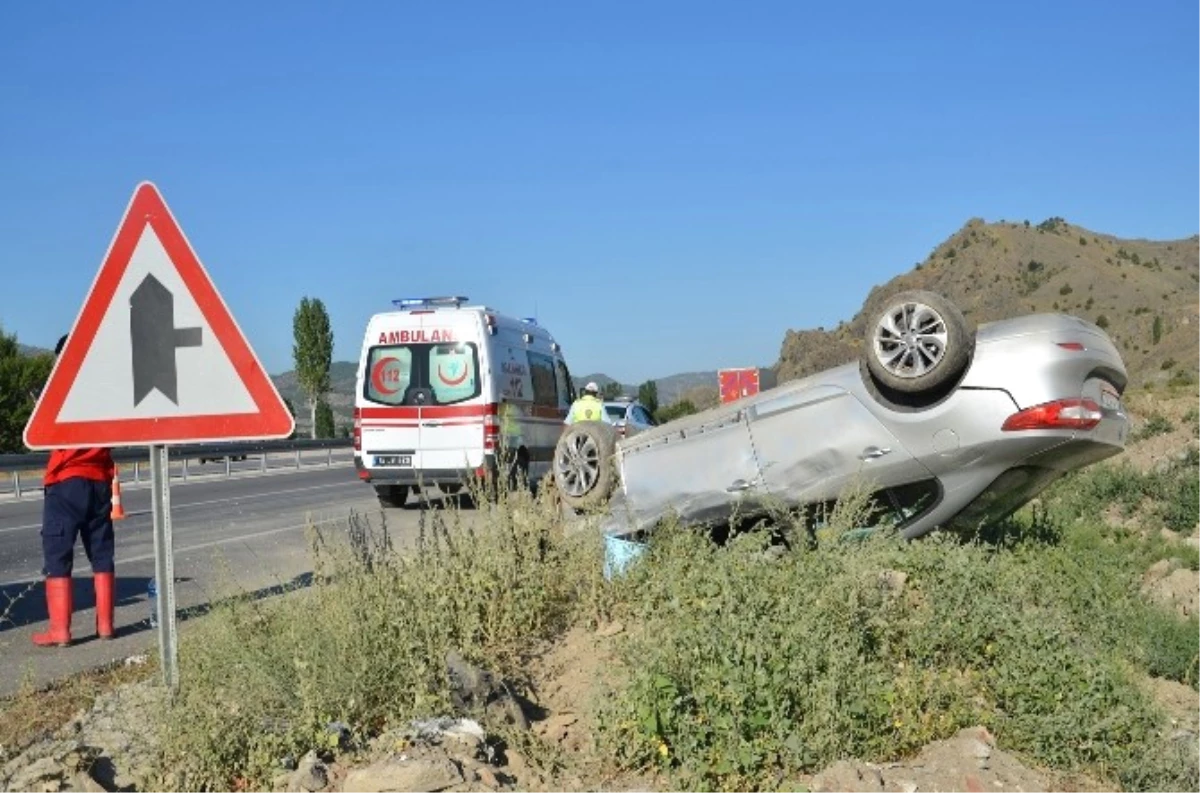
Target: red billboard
x=737 y=383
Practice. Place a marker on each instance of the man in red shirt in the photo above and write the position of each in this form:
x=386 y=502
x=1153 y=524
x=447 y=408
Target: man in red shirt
x=78 y=503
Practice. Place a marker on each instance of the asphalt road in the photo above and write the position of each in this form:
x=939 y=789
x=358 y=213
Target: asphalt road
x=248 y=530
x=187 y=470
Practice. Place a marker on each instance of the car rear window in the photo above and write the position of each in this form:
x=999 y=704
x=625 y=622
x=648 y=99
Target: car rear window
x=422 y=374
x=615 y=412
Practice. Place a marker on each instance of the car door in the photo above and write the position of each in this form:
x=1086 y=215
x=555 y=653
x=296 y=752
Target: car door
x=812 y=442
x=702 y=467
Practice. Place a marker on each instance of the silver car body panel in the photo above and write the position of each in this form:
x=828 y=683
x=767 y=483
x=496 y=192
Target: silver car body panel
x=805 y=441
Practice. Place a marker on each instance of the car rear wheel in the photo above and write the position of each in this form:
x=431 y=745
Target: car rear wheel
x=584 y=471
x=918 y=343
x=392 y=495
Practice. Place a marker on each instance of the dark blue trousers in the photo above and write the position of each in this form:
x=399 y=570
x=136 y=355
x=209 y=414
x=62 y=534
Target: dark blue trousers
x=75 y=508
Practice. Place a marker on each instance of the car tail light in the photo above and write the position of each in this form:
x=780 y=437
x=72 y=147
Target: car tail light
x=1073 y=346
x=1062 y=414
x=357 y=430
x=491 y=428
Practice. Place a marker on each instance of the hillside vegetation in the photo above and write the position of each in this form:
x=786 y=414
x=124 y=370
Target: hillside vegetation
x=1144 y=293
x=729 y=667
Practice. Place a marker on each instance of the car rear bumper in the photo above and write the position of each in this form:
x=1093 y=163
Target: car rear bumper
x=979 y=495
x=423 y=476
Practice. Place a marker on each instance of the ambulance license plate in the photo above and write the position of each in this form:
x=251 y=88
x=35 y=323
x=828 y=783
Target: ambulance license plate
x=393 y=461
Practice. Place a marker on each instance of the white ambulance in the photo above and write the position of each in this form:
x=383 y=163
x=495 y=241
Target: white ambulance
x=447 y=392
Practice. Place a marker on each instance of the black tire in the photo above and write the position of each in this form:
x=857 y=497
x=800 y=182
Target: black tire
x=918 y=343
x=395 y=496
x=584 y=468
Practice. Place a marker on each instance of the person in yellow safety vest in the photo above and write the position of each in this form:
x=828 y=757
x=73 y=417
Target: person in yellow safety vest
x=588 y=407
x=510 y=426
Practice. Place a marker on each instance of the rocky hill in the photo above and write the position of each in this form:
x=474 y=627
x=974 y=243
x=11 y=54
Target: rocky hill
x=1143 y=292
x=670 y=388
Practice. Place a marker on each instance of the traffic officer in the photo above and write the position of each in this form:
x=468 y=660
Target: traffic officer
x=588 y=407
x=77 y=504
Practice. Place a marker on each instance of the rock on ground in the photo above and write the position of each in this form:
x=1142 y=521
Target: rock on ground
x=969 y=761
x=110 y=747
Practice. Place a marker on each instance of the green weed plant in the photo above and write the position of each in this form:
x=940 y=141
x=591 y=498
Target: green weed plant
x=743 y=667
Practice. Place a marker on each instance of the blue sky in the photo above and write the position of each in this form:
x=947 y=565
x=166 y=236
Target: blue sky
x=716 y=173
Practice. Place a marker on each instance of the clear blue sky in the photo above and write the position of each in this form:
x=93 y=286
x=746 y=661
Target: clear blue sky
x=716 y=173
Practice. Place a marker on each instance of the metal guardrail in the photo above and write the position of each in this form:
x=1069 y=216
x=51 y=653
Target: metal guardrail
x=15 y=464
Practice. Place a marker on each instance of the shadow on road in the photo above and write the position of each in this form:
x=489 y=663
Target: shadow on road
x=25 y=603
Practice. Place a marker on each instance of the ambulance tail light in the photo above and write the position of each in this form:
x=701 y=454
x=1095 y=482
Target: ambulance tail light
x=357 y=430
x=491 y=428
x=1062 y=414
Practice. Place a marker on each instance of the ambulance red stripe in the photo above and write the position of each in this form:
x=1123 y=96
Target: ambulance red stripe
x=451 y=411
x=428 y=412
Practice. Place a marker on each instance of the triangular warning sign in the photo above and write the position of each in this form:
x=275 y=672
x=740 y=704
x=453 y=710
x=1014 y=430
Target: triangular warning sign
x=154 y=356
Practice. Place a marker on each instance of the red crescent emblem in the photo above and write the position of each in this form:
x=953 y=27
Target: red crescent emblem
x=447 y=380
x=377 y=373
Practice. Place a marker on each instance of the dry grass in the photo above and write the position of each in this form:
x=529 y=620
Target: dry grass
x=32 y=712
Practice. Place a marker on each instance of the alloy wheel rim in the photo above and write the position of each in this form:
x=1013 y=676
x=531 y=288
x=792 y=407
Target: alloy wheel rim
x=910 y=340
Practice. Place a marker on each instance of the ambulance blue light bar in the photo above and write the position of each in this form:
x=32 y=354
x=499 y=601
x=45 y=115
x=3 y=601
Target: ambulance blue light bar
x=426 y=302
x=529 y=320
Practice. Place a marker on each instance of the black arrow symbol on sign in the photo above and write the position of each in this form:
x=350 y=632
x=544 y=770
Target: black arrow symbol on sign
x=154 y=339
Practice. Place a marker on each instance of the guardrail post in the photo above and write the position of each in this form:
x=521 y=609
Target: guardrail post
x=297 y=458
x=262 y=466
x=185 y=469
x=329 y=457
x=17 y=484
x=137 y=472
x=228 y=465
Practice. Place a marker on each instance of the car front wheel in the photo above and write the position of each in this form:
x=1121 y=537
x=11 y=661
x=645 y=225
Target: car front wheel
x=584 y=469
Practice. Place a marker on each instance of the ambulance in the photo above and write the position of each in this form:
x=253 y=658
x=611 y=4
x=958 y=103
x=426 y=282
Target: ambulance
x=447 y=393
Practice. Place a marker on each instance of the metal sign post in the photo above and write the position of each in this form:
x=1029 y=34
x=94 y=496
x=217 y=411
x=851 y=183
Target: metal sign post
x=164 y=565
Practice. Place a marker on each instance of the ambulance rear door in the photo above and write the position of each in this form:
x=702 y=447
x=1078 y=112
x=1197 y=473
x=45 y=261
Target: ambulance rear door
x=391 y=434
x=450 y=360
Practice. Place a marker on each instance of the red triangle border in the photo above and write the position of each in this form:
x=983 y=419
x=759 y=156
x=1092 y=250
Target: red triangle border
x=272 y=418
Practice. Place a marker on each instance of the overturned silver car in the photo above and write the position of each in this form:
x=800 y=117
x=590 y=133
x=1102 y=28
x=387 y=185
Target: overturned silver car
x=949 y=425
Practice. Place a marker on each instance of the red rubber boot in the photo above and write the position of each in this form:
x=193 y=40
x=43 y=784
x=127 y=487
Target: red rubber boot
x=58 y=603
x=104 y=583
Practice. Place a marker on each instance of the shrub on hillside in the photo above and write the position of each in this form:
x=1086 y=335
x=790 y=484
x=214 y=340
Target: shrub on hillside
x=750 y=670
x=1155 y=424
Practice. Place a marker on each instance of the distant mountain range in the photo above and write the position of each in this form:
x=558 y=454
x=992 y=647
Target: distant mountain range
x=25 y=349
x=342 y=373
x=670 y=388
